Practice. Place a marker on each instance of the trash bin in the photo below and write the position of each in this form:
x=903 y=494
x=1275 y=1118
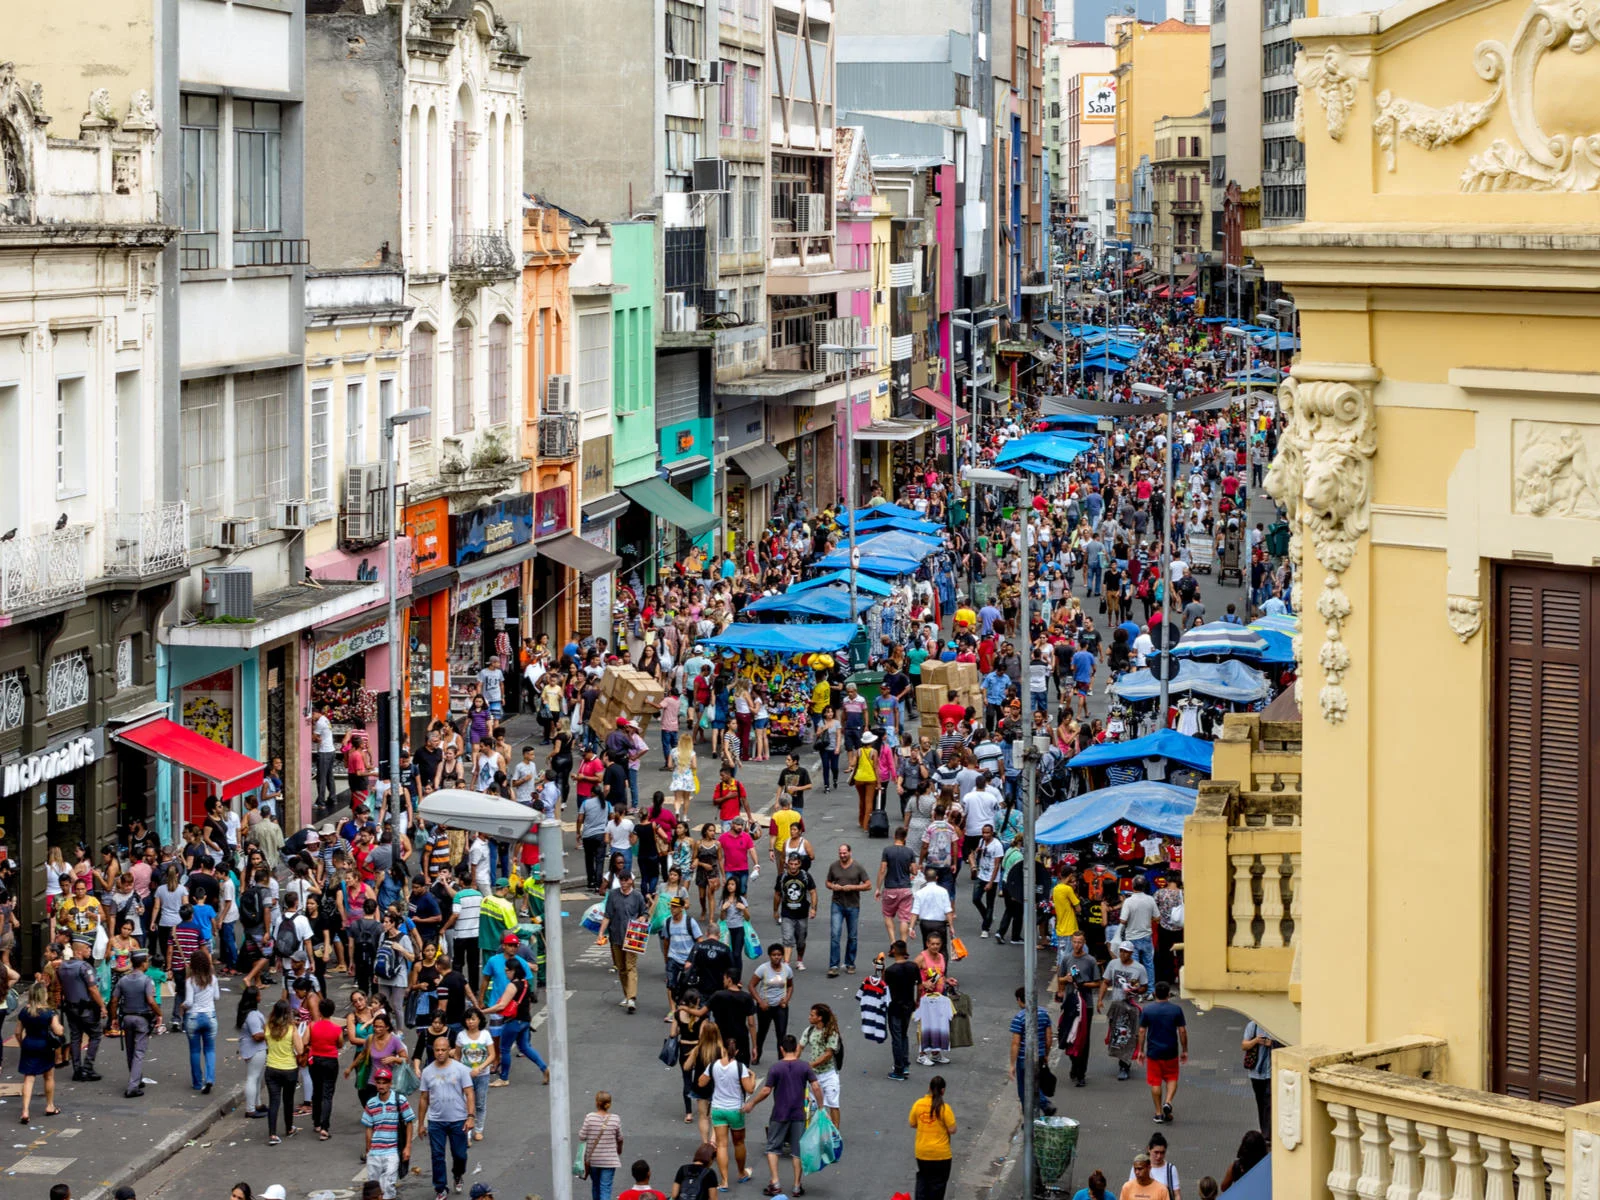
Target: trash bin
x=1055 y=1148
x=868 y=683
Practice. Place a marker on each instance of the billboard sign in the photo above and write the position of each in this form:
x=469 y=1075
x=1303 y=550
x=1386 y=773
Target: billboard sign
x=1099 y=98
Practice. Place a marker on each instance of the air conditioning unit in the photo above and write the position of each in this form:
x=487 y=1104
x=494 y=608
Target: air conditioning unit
x=366 y=502
x=292 y=515
x=558 y=394
x=711 y=73
x=673 y=320
x=811 y=213
x=691 y=318
x=228 y=592
x=235 y=533
x=712 y=175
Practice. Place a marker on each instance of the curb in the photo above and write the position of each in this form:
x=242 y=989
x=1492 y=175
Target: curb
x=142 y=1164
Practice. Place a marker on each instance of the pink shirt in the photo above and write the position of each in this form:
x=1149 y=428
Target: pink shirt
x=141 y=878
x=736 y=850
x=669 y=714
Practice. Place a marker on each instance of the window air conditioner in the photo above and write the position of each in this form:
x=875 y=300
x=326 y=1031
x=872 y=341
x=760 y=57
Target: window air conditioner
x=292 y=515
x=711 y=175
x=235 y=533
x=558 y=394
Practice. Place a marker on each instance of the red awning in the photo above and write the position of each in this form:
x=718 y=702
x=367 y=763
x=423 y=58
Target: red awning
x=232 y=772
x=941 y=405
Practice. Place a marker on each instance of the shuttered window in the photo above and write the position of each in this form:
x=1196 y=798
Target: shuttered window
x=1546 y=816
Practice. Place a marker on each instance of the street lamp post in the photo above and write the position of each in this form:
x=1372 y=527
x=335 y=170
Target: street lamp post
x=392 y=465
x=1030 y=849
x=850 y=353
x=973 y=384
x=1271 y=322
x=552 y=860
x=1150 y=390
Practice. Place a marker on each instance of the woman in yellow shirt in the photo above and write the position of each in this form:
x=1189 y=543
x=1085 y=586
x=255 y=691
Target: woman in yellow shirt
x=285 y=1045
x=934 y=1122
x=864 y=774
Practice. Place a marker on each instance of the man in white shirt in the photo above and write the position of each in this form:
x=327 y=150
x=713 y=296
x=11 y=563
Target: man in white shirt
x=322 y=744
x=932 y=909
x=1143 y=646
x=979 y=805
x=478 y=860
x=525 y=777
x=1138 y=921
x=492 y=683
x=986 y=857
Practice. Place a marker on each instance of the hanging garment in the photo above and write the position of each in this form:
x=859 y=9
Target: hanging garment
x=873 y=997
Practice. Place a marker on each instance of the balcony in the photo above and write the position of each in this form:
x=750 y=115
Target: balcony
x=43 y=569
x=558 y=436
x=149 y=543
x=482 y=257
x=1242 y=876
x=1378 y=1121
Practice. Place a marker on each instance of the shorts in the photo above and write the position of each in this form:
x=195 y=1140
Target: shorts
x=782 y=1134
x=1081 y=687
x=1160 y=1070
x=897 y=904
x=733 y=1118
x=828 y=1081
x=497 y=710
x=793 y=931
x=762 y=722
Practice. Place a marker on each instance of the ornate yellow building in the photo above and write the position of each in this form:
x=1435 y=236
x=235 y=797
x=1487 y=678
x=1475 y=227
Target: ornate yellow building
x=1441 y=468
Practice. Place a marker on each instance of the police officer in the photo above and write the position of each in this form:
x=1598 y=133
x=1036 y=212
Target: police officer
x=84 y=1007
x=135 y=1008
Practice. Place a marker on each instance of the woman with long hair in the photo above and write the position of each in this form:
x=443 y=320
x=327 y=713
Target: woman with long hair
x=934 y=1122
x=1252 y=1149
x=57 y=878
x=284 y=1047
x=730 y=1082
x=685 y=777
x=199 y=1013
x=698 y=1047
x=707 y=867
x=731 y=907
x=828 y=738
x=822 y=1046
x=170 y=897
x=38 y=1032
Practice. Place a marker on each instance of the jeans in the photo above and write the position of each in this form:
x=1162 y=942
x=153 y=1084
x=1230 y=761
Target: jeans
x=1144 y=951
x=842 y=920
x=324 y=1078
x=1092 y=581
x=1043 y=1101
x=774 y=1017
x=202 y=1031
x=230 y=945
x=515 y=1036
x=743 y=879
x=480 y=1101
x=453 y=1134
x=983 y=900
x=669 y=743
x=633 y=784
x=600 y=1182
x=900 y=1040
x=830 y=767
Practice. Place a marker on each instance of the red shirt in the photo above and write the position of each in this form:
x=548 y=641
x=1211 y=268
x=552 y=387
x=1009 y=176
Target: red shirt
x=730 y=798
x=986 y=650
x=951 y=713
x=325 y=1038
x=641 y=1193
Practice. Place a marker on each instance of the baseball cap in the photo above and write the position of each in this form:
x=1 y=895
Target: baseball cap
x=510 y=939
x=274 y=1192
x=502 y=882
x=382 y=1075
x=1125 y=945
x=480 y=1190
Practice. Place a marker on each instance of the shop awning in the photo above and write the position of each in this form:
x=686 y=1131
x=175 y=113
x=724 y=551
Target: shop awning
x=583 y=557
x=941 y=405
x=232 y=773
x=894 y=429
x=606 y=508
x=661 y=498
x=686 y=469
x=761 y=463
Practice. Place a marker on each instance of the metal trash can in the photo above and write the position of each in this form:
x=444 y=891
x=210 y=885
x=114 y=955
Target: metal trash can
x=1055 y=1151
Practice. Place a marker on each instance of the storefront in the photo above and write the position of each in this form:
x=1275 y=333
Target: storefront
x=488 y=546
x=598 y=589
x=677 y=507
x=427 y=623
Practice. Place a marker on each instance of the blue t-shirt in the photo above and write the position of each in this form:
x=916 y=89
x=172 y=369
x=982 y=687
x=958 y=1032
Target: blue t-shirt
x=495 y=978
x=1019 y=1023
x=206 y=918
x=1161 y=1020
x=1083 y=666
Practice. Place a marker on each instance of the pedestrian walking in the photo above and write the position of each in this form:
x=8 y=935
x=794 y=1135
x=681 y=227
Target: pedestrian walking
x=443 y=1107
x=199 y=1013
x=252 y=1026
x=903 y=979
x=388 y=1119
x=624 y=905
x=1077 y=974
x=731 y=1082
x=515 y=1007
x=698 y=1178
x=772 y=987
x=787 y=1083
x=475 y=1049
x=846 y=879
x=935 y=1122
x=38 y=1033
x=601 y=1138
x=1041 y=1047
x=823 y=1047
x=135 y=1010
x=1164 y=1045
x=794 y=906
x=285 y=1045
x=83 y=1008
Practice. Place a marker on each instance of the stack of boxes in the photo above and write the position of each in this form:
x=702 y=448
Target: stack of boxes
x=625 y=692
x=939 y=679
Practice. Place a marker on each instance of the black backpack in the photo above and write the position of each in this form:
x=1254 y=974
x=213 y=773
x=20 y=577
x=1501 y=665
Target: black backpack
x=286 y=942
x=693 y=1186
x=251 y=907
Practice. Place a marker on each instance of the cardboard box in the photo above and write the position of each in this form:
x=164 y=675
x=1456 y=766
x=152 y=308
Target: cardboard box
x=962 y=675
x=929 y=697
x=934 y=673
x=634 y=689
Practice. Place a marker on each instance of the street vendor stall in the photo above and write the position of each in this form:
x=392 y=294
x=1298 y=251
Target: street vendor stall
x=782 y=660
x=1164 y=756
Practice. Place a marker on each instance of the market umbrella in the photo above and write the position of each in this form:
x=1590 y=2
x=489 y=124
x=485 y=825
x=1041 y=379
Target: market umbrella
x=1164 y=743
x=1159 y=807
x=785 y=639
x=868 y=584
x=884 y=509
x=1281 y=622
x=830 y=602
x=1220 y=639
x=1227 y=680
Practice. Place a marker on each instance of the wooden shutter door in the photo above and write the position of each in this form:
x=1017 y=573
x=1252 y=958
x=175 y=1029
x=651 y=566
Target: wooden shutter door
x=1542 y=879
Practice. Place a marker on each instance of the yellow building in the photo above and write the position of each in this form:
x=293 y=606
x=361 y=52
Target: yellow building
x=1180 y=177
x=1160 y=69
x=1439 y=471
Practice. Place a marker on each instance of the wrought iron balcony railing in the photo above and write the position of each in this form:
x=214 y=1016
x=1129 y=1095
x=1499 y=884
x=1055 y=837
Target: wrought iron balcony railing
x=43 y=568
x=483 y=254
x=151 y=542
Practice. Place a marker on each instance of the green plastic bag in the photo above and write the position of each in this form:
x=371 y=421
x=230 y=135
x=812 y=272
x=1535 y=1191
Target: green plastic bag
x=660 y=914
x=752 y=942
x=820 y=1144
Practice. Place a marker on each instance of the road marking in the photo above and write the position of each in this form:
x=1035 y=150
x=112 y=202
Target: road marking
x=539 y=1017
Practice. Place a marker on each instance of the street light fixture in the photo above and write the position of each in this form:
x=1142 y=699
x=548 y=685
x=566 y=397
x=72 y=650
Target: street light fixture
x=973 y=384
x=1151 y=392
x=850 y=353
x=976 y=476
x=391 y=464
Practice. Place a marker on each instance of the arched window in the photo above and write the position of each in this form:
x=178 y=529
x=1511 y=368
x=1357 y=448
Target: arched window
x=461 y=373
x=422 y=371
x=499 y=371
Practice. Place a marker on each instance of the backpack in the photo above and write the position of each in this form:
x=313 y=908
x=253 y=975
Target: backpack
x=693 y=1186
x=388 y=963
x=252 y=907
x=941 y=842
x=286 y=942
x=368 y=936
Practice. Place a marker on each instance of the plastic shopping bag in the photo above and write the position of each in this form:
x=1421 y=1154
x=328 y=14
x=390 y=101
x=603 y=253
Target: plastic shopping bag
x=595 y=914
x=821 y=1143
x=660 y=914
x=752 y=942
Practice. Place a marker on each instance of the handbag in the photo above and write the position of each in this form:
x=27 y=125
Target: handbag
x=958 y=948
x=1047 y=1080
x=580 y=1165
x=405 y=1080
x=637 y=934
x=669 y=1050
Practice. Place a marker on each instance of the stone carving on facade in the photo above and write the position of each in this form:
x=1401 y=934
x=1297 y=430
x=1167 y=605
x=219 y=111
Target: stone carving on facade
x=100 y=114
x=1287 y=1104
x=1399 y=119
x=1465 y=614
x=141 y=112
x=1323 y=478
x=1332 y=76
x=1583 y=1176
x=422 y=13
x=1554 y=470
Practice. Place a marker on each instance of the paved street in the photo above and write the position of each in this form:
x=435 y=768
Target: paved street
x=100 y=1134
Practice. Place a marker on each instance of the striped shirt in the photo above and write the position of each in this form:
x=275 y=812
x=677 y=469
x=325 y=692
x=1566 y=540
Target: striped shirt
x=383 y=1117
x=185 y=941
x=468 y=905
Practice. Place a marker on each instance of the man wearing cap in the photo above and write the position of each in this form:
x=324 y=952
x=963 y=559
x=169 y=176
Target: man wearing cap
x=84 y=1007
x=678 y=938
x=481 y=1191
x=135 y=1009
x=388 y=1119
x=1125 y=980
x=624 y=903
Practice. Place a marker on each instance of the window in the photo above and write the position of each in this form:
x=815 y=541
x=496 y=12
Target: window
x=750 y=196
x=1035 y=175
x=260 y=445
x=1036 y=110
x=460 y=179
x=66 y=683
x=751 y=306
x=355 y=421
x=422 y=368
x=683 y=42
x=198 y=130
x=752 y=103
x=727 y=231
x=752 y=13
x=257 y=152
x=728 y=98
x=500 y=372
x=963 y=93
x=683 y=143
x=594 y=361
x=541 y=356
x=200 y=404
x=461 y=378
x=71 y=433
x=1277 y=105
x=10 y=454
x=320 y=493
x=386 y=404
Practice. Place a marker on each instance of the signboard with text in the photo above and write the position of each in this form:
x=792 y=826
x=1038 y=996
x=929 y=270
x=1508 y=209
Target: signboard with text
x=1099 y=98
x=430 y=534
x=349 y=644
x=492 y=529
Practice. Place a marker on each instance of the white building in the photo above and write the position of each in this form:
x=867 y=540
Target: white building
x=1097 y=192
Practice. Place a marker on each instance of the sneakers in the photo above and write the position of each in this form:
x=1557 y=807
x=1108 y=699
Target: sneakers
x=925 y=1060
x=984 y=934
x=1122 y=1072
x=632 y=1008
x=899 y=1076
x=941 y=1059
x=800 y=966
x=833 y=972
x=998 y=941
x=1166 y=1112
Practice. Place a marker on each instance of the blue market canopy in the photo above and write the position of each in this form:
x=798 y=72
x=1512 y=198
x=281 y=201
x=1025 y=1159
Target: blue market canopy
x=903 y=524
x=1220 y=639
x=1036 y=466
x=1164 y=743
x=1159 y=807
x=884 y=509
x=1051 y=420
x=1053 y=447
x=864 y=583
x=900 y=545
x=1280 y=622
x=876 y=563
x=785 y=639
x=830 y=602
x=1109 y=365
x=1214 y=320
x=1229 y=680
x=1280 y=647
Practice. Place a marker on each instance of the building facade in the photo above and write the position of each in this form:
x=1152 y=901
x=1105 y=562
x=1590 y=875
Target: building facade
x=1181 y=207
x=1160 y=69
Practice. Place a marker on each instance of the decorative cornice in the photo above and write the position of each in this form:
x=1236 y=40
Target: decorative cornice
x=1323 y=478
x=1424 y=126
